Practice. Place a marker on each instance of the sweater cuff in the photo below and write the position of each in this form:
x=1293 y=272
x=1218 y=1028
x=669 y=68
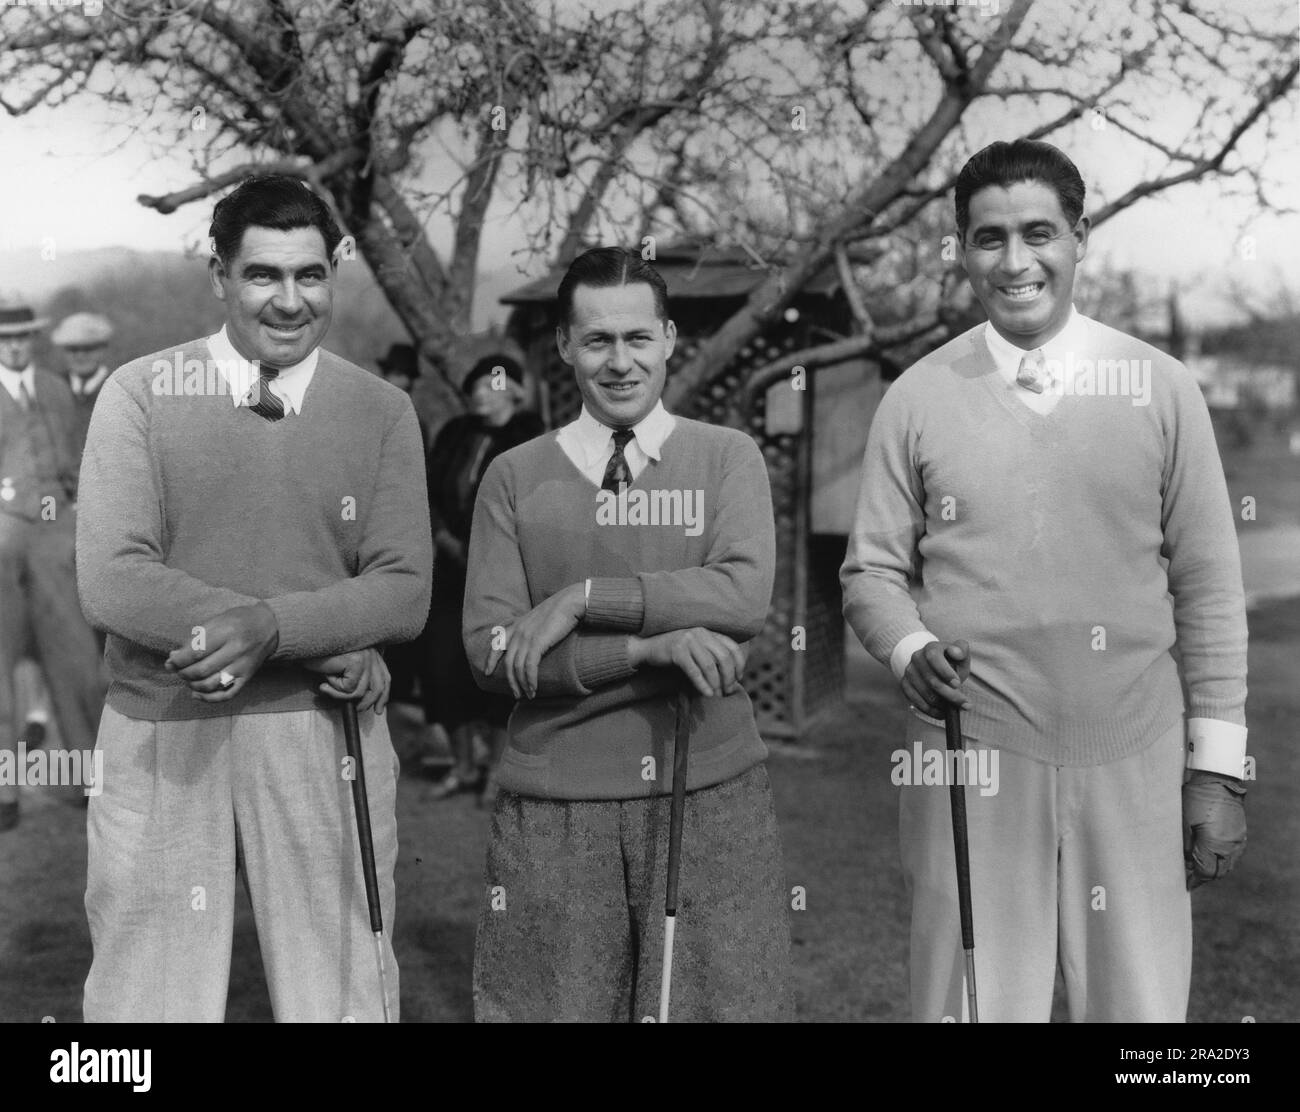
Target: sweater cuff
x=289 y=646
x=601 y=658
x=901 y=657
x=1216 y=746
x=615 y=604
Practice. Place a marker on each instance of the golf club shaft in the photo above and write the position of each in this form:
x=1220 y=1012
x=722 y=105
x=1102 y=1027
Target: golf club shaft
x=961 y=851
x=972 y=1000
x=383 y=976
x=666 y=984
x=681 y=747
x=361 y=805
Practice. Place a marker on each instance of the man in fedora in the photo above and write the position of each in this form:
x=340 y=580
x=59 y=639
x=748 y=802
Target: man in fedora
x=401 y=367
x=39 y=610
x=82 y=339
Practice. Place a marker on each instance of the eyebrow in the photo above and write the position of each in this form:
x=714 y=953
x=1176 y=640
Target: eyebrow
x=249 y=268
x=605 y=333
x=1027 y=226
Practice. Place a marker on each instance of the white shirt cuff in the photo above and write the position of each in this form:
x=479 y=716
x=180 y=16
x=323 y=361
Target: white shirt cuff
x=902 y=654
x=1216 y=746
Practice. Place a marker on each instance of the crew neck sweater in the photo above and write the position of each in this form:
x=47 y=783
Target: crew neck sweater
x=599 y=729
x=190 y=505
x=1071 y=549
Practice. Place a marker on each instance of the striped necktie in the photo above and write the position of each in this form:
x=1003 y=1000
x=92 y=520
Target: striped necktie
x=25 y=401
x=617 y=472
x=1032 y=374
x=268 y=405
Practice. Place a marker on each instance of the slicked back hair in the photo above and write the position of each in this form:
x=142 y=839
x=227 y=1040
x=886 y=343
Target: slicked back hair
x=603 y=267
x=270 y=201
x=1005 y=164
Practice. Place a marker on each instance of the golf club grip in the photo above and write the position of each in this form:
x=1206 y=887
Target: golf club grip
x=361 y=803
x=960 y=843
x=681 y=745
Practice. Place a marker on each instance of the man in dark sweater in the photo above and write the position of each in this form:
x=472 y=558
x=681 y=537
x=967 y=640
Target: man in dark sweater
x=253 y=517
x=39 y=611
x=613 y=567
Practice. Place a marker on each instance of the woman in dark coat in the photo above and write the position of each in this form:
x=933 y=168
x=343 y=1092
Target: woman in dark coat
x=461 y=453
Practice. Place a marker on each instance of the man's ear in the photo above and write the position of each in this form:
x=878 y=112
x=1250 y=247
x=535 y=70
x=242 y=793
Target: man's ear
x=1081 y=230
x=961 y=252
x=216 y=272
x=670 y=333
x=562 y=344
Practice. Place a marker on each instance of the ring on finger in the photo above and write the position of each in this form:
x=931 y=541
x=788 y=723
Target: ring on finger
x=226 y=680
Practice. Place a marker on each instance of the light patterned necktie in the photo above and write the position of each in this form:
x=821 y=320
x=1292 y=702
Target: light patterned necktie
x=24 y=396
x=268 y=404
x=1032 y=374
x=617 y=471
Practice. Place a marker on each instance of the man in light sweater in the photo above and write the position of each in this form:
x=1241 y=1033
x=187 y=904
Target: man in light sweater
x=253 y=517
x=616 y=570
x=1052 y=488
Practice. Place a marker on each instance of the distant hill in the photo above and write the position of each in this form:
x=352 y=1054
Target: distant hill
x=156 y=299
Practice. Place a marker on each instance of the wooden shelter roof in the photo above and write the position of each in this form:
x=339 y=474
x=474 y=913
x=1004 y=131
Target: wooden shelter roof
x=693 y=272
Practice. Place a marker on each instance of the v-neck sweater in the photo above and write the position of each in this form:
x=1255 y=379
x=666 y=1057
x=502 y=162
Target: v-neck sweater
x=1072 y=549
x=599 y=729
x=191 y=505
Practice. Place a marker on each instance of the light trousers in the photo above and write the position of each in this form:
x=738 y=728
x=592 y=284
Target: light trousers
x=186 y=803
x=1077 y=866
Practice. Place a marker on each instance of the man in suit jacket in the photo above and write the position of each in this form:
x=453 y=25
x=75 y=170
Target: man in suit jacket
x=83 y=339
x=38 y=586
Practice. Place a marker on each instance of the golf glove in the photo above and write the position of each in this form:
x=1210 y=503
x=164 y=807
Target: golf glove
x=1214 y=825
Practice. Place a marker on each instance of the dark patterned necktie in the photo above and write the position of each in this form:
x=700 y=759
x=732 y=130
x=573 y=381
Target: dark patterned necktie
x=617 y=471
x=268 y=405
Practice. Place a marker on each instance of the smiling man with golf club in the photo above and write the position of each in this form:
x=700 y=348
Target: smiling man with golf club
x=1065 y=536
x=622 y=638
x=249 y=523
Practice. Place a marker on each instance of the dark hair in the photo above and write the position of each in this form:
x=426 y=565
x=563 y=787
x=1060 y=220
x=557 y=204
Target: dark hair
x=1006 y=164
x=603 y=267
x=270 y=201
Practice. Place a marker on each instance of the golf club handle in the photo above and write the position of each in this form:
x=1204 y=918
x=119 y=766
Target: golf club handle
x=960 y=843
x=361 y=803
x=681 y=746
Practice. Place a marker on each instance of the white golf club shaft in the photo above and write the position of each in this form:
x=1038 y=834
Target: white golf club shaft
x=665 y=986
x=383 y=977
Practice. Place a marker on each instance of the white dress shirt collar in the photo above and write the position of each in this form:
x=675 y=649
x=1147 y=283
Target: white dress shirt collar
x=12 y=380
x=1072 y=338
x=592 y=439
x=289 y=385
x=83 y=387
